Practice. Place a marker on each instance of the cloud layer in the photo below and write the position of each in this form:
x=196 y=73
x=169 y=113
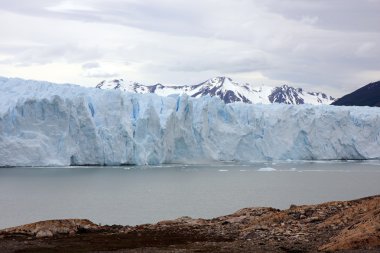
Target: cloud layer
x=320 y=45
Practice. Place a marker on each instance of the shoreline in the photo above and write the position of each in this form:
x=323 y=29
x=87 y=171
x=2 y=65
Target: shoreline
x=216 y=162
x=352 y=226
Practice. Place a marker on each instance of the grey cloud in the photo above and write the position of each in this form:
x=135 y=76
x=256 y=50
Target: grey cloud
x=180 y=17
x=335 y=15
x=50 y=53
x=231 y=64
x=90 y=65
x=193 y=17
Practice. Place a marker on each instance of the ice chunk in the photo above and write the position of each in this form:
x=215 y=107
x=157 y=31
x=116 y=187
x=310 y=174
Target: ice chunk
x=266 y=169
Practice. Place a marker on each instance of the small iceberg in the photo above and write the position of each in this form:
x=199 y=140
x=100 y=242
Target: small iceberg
x=266 y=169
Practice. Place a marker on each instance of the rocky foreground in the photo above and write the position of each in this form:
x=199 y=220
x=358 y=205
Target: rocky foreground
x=351 y=226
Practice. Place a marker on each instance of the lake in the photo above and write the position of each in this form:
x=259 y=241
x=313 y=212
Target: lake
x=131 y=195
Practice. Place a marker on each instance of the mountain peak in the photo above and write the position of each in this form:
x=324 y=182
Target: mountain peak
x=124 y=85
x=218 y=80
x=225 y=83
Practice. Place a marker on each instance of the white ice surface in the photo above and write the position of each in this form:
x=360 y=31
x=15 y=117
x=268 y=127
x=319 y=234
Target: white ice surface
x=44 y=124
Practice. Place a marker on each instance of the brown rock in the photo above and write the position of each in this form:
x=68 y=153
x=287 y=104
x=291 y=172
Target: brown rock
x=314 y=219
x=44 y=233
x=52 y=227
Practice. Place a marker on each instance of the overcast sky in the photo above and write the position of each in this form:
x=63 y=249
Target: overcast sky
x=321 y=45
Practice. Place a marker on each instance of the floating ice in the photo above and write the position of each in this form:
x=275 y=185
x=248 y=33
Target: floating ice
x=266 y=169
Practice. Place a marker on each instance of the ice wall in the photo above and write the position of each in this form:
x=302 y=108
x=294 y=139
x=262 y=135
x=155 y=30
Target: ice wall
x=49 y=124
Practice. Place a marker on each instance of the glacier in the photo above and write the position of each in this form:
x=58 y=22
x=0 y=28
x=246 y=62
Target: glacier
x=46 y=124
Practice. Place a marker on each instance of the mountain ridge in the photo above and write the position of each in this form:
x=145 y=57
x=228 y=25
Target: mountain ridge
x=227 y=90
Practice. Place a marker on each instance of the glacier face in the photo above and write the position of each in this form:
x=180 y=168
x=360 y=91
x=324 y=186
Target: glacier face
x=44 y=124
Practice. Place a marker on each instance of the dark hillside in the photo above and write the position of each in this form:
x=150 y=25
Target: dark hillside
x=368 y=95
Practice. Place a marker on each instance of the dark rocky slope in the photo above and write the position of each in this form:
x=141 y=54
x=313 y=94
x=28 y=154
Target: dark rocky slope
x=368 y=95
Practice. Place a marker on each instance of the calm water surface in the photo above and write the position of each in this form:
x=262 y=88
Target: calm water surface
x=136 y=195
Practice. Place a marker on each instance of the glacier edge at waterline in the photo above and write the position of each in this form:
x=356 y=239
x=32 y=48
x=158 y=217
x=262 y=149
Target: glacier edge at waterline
x=45 y=124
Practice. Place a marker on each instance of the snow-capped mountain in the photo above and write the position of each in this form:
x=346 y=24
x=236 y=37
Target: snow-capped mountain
x=227 y=90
